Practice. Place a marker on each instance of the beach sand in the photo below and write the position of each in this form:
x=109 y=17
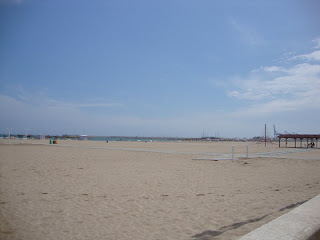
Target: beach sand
x=155 y=190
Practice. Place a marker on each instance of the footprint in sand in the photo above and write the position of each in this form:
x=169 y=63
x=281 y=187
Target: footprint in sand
x=200 y=195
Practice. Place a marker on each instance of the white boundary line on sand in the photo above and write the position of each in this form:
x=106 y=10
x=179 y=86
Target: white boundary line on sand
x=220 y=156
x=212 y=159
x=143 y=150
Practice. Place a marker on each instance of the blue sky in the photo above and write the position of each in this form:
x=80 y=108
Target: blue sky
x=160 y=68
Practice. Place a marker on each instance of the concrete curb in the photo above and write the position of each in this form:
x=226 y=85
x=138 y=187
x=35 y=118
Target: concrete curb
x=302 y=223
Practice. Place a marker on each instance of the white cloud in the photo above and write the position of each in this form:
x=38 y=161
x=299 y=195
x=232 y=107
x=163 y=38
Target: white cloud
x=317 y=43
x=279 y=88
x=274 y=69
x=274 y=107
x=56 y=117
x=310 y=56
x=246 y=33
x=40 y=98
x=244 y=122
x=270 y=93
x=99 y=105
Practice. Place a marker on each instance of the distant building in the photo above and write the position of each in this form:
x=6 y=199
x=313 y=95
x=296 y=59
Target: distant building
x=83 y=137
x=41 y=136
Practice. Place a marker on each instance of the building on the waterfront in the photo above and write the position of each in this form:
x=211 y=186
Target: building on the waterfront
x=83 y=137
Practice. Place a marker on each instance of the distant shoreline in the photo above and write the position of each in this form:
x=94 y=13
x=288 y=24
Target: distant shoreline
x=132 y=138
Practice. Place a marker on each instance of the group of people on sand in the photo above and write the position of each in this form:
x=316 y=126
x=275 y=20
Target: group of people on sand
x=311 y=145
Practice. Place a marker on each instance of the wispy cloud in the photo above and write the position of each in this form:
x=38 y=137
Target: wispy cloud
x=247 y=33
x=276 y=88
x=40 y=98
x=316 y=43
x=67 y=119
x=310 y=56
x=98 y=105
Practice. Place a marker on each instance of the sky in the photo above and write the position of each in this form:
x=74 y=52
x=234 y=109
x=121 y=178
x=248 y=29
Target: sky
x=169 y=68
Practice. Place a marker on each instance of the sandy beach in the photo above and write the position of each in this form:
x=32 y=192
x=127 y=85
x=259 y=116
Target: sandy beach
x=154 y=190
